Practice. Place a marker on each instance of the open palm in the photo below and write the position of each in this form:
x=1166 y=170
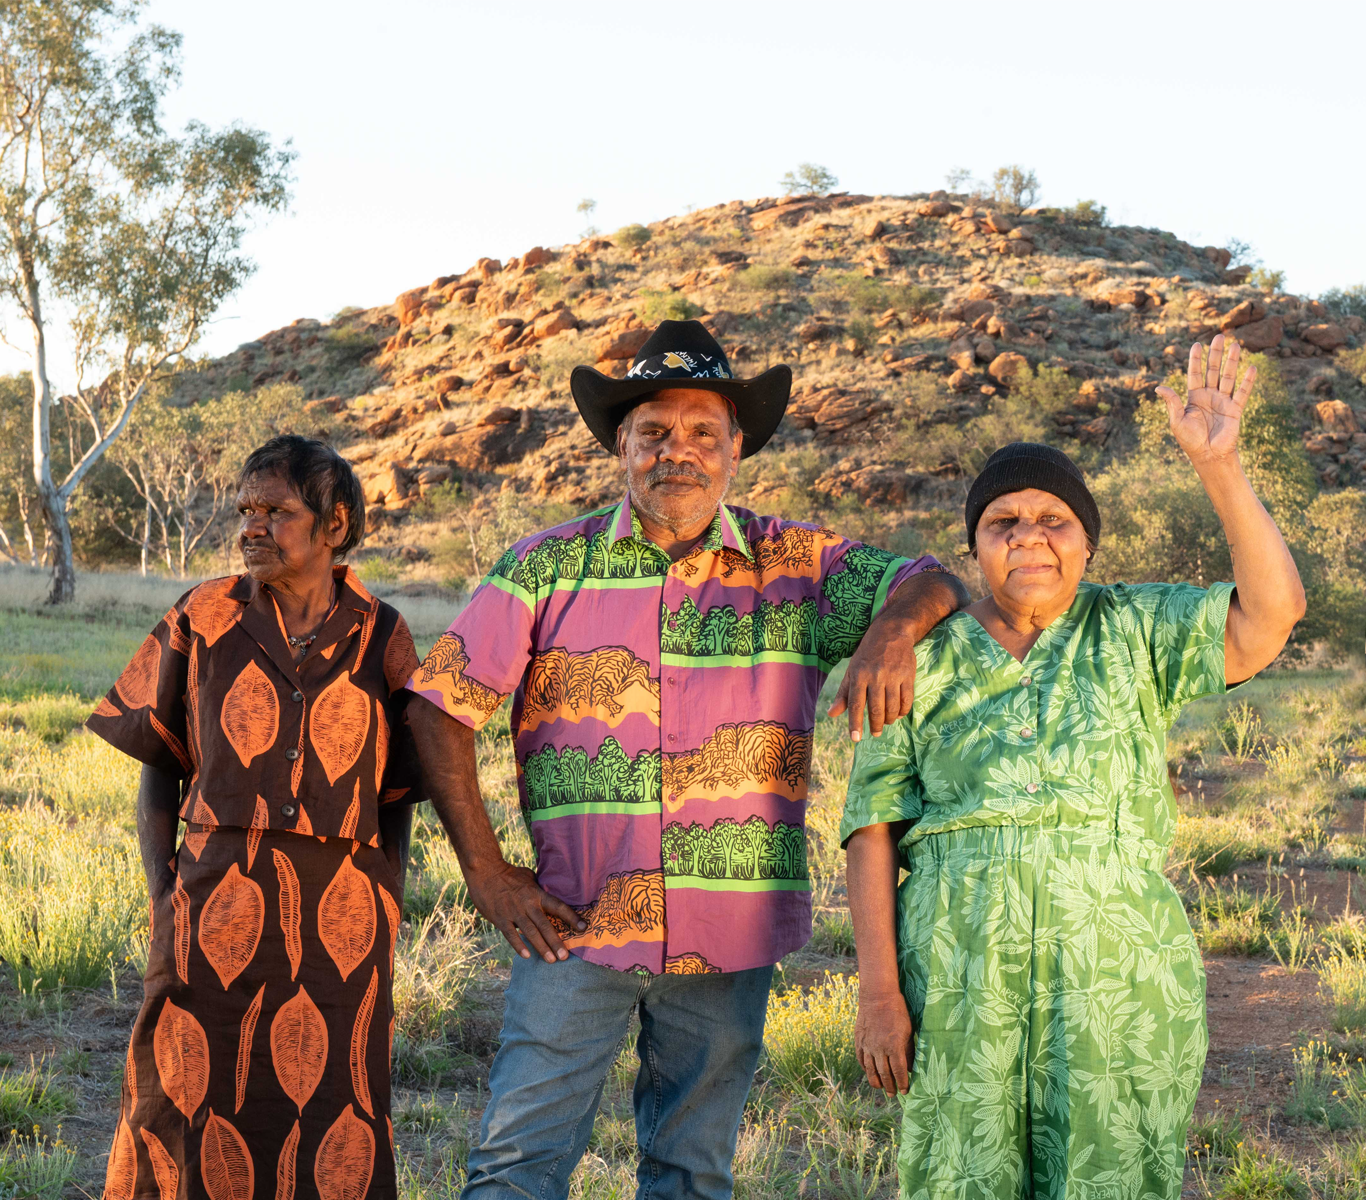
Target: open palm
x=1205 y=424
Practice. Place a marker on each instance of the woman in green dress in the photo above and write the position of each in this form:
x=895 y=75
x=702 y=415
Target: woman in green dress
x=1036 y=957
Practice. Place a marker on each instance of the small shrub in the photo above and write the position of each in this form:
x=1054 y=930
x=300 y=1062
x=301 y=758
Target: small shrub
x=861 y=331
x=833 y=934
x=1033 y=281
x=1086 y=212
x=659 y=306
x=1240 y=732
x=809 y=1036
x=808 y=180
x=346 y=348
x=1233 y=920
x=1212 y=1140
x=1345 y=302
x=433 y=970
x=1267 y=279
x=1258 y=1175
x=1342 y=982
x=378 y=569
x=1317 y=1090
x=1015 y=185
x=46 y=716
x=761 y=278
x=631 y=237
x=35 y=1167
x=33 y=1098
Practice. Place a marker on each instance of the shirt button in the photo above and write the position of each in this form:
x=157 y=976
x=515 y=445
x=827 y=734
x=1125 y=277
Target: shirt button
x=286 y=810
x=297 y=697
x=1026 y=732
x=671 y=681
x=1026 y=681
x=291 y=754
x=673 y=797
x=1031 y=788
x=672 y=738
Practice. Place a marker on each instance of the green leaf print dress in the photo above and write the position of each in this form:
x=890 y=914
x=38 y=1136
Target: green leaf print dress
x=1057 y=992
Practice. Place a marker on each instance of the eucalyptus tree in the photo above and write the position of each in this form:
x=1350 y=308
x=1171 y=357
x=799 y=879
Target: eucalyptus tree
x=126 y=235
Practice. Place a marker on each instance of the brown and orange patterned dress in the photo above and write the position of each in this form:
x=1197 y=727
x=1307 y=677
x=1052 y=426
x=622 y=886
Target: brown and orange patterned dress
x=259 y=1062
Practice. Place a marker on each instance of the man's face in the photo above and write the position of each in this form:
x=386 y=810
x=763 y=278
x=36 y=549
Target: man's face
x=679 y=455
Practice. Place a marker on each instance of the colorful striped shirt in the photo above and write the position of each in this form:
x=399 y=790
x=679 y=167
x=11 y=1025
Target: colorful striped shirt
x=663 y=717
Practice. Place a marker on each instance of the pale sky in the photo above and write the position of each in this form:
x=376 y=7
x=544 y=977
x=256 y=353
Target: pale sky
x=430 y=134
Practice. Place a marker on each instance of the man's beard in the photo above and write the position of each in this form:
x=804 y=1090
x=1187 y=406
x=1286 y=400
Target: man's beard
x=681 y=511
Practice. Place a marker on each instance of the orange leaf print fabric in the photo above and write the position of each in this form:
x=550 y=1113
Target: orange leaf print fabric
x=211 y=610
x=251 y=714
x=352 y=818
x=346 y=918
x=164 y=1170
x=121 y=1176
x=381 y=745
x=290 y=910
x=260 y=822
x=225 y=1162
x=298 y=1047
x=230 y=924
x=137 y=686
x=105 y=709
x=346 y=1159
x=360 y=1036
x=130 y=1077
x=180 y=902
x=392 y=918
x=285 y=1168
x=400 y=656
x=181 y=1053
x=173 y=743
x=244 y=1047
x=338 y=726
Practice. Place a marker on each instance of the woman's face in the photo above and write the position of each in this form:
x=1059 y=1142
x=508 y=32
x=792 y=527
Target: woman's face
x=277 y=538
x=1032 y=550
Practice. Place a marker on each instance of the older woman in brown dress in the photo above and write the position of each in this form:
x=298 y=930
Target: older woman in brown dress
x=268 y=709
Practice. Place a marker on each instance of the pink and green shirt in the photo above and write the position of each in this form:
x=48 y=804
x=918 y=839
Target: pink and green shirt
x=662 y=715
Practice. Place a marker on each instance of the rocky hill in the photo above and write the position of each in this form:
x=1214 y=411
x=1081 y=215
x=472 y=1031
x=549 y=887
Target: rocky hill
x=905 y=318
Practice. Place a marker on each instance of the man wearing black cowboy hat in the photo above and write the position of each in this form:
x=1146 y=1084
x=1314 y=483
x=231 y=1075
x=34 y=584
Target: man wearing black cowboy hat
x=666 y=655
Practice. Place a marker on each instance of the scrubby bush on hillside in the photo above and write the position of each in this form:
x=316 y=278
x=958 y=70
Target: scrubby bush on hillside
x=1345 y=302
x=1086 y=212
x=656 y=306
x=760 y=278
x=809 y=180
x=1015 y=185
x=631 y=237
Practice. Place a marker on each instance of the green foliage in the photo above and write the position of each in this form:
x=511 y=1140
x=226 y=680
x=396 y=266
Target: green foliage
x=1086 y=212
x=868 y=294
x=585 y=208
x=36 y=1168
x=761 y=278
x=861 y=331
x=659 y=306
x=1015 y=185
x=1345 y=302
x=1335 y=544
x=808 y=180
x=1267 y=279
x=375 y=568
x=631 y=237
x=1342 y=980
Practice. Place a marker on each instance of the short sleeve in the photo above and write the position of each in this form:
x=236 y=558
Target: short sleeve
x=884 y=785
x=855 y=585
x=1184 y=628
x=479 y=661
x=144 y=713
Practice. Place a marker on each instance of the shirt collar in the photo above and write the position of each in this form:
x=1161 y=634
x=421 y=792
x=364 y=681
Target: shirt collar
x=722 y=533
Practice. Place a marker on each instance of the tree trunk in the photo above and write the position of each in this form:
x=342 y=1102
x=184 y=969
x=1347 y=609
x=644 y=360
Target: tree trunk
x=63 y=589
x=146 y=535
x=51 y=500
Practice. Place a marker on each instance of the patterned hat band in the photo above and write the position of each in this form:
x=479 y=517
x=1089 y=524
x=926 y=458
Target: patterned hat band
x=680 y=364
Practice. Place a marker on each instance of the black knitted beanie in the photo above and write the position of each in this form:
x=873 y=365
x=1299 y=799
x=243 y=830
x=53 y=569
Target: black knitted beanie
x=1022 y=465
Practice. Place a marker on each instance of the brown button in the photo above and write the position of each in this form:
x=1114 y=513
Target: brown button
x=291 y=754
x=286 y=810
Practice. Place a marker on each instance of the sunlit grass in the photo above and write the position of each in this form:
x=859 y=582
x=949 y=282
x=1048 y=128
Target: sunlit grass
x=809 y=1035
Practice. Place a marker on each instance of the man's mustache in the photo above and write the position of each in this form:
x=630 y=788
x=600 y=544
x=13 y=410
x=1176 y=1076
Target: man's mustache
x=667 y=471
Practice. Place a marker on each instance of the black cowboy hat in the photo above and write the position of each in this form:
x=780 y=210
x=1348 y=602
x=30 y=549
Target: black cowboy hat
x=682 y=354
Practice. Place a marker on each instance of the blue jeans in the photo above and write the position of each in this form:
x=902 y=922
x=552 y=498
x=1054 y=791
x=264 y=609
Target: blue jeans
x=699 y=1043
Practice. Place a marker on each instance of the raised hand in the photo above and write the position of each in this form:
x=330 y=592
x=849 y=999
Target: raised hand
x=1206 y=424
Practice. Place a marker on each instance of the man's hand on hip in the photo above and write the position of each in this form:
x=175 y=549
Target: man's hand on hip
x=880 y=678
x=510 y=898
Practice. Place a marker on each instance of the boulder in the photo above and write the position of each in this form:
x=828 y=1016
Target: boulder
x=985 y=349
x=500 y=415
x=1261 y=335
x=558 y=321
x=1009 y=368
x=537 y=256
x=976 y=308
x=621 y=346
x=1336 y=417
x=409 y=305
x=1325 y=337
x=389 y=485
x=801 y=260
x=934 y=208
x=445 y=384
x=487 y=268
x=816 y=330
x=962 y=353
x=999 y=222
x=874 y=229
x=1243 y=314
x=1138 y=297
x=962 y=381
